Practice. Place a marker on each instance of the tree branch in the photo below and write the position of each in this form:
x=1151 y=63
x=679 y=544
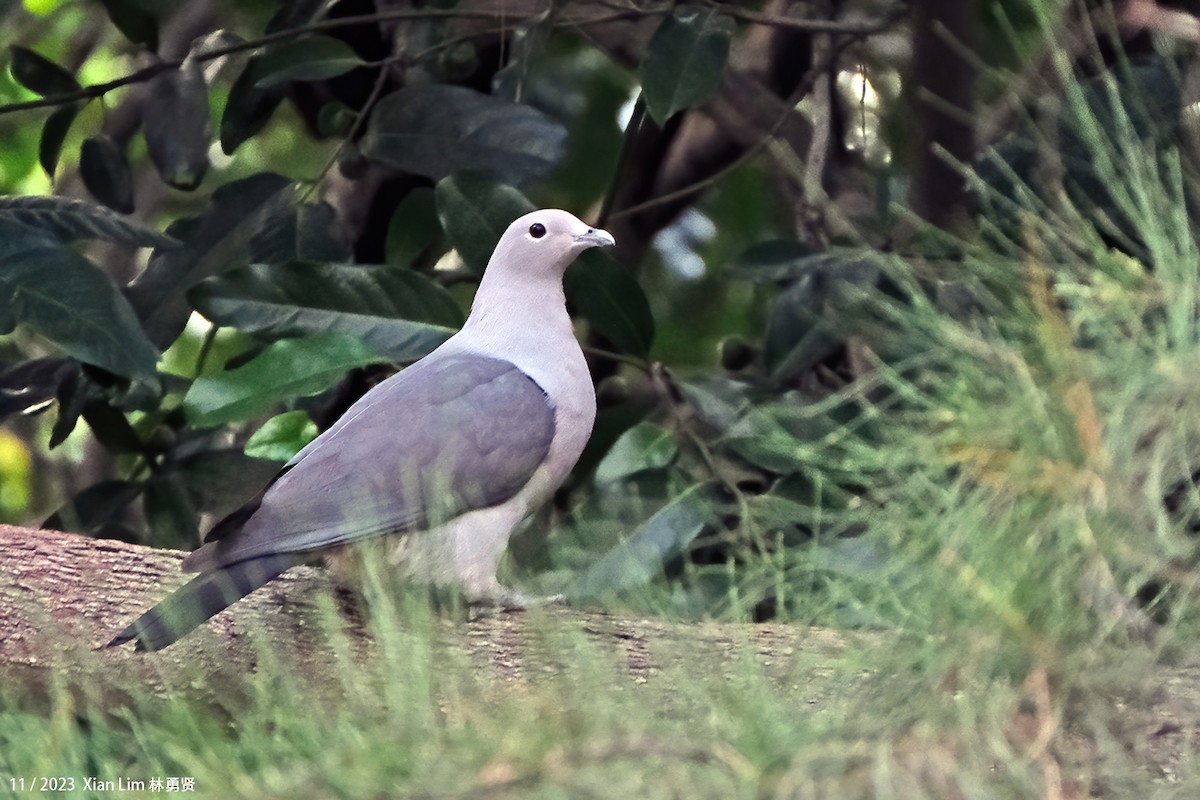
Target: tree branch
x=63 y=595
x=856 y=28
x=93 y=91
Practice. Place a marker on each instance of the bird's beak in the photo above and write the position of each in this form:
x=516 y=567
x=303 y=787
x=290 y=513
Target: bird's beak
x=596 y=237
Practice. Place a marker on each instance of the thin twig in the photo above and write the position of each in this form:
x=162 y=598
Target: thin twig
x=381 y=80
x=92 y=91
x=631 y=133
x=359 y=120
x=750 y=152
x=205 y=348
x=152 y=71
x=857 y=29
x=633 y=361
x=147 y=73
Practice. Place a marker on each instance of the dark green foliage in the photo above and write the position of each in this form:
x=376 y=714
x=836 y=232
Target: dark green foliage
x=39 y=74
x=138 y=19
x=413 y=228
x=170 y=514
x=106 y=173
x=824 y=299
x=304 y=232
x=288 y=368
x=54 y=133
x=398 y=313
x=431 y=136
x=608 y=296
x=71 y=394
x=95 y=509
x=277 y=268
x=685 y=60
x=474 y=211
x=249 y=108
x=436 y=130
x=639 y=559
x=111 y=427
x=1139 y=104
x=56 y=292
x=27 y=385
x=335 y=119
x=311 y=59
x=71 y=220
x=220 y=480
x=214 y=242
x=643 y=447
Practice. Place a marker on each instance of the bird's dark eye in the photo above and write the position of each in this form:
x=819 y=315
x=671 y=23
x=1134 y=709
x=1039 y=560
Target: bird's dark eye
x=537 y=230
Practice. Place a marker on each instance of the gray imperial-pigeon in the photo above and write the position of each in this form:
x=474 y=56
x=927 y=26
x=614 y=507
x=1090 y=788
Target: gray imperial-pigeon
x=446 y=457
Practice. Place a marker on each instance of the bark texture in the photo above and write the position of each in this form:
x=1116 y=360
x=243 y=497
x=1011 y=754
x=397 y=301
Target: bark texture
x=943 y=89
x=63 y=596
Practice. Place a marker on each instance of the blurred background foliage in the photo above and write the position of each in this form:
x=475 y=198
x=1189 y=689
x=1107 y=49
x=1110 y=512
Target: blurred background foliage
x=874 y=259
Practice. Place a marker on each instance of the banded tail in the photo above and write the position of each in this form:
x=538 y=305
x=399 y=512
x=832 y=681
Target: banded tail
x=199 y=600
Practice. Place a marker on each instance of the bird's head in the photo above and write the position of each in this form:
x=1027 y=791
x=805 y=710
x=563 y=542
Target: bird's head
x=546 y=242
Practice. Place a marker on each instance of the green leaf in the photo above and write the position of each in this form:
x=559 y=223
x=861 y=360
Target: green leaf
x=303 y=232
x=71 y=395
x=434 y=130
x=800 y=515
x=782 y=437
x=283 y=370
x=335 y=119
x=214 y=242
x=282 y=436
x=111 y=427
x=413 y=228
x=610 y=298
x=397 y=313
x=718 y=400
x=62 y=296
x=248 y=109
x=643 y=447
x=135 y=19
x=39 y=74
x=222 y=481
x=684 y=60
x=807 y=319
x=475 y=210
x=774 y=260
x=71 y=220
x=54 y=133
x=178 y=130
x=295 y=14
x=773 y=512
x=795 y=338
x=106 y=173
x=88 y=510
x=638 y=560
x=611 y=422
x=27 y=386
x=313 y=58
x=169 y=512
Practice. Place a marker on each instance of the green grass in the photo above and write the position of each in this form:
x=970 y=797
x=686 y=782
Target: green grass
x=1029 y=474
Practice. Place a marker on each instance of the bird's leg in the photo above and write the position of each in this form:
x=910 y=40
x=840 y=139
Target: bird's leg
x=506 y=599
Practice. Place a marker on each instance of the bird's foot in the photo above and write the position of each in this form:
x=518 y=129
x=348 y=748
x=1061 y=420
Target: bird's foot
x=505 y=599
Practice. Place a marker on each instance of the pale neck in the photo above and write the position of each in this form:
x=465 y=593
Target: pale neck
x=518 y=317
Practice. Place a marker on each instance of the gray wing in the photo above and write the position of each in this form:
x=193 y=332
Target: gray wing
x=447 y=435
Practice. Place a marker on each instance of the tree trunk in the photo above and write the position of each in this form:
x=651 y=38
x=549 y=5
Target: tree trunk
x=63 y=596
x=943 y=86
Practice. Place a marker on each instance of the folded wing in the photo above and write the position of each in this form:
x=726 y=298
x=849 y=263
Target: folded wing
x=445 y=436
